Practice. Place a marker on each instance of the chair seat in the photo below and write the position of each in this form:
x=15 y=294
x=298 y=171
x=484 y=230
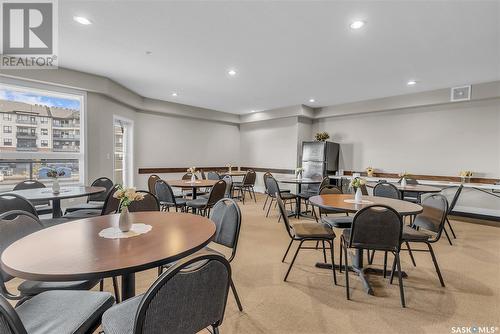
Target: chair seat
x=312 y=230
x=281 y=191
x=31 y=288
x=306 y=194
x=86 y=206
x=64 y=312
x=197 y=203
x=285 y=196
x=81 y=214
x=120 y=318
x=43 y=209
x=410 y=234
x=178 y=201
x=338 y=222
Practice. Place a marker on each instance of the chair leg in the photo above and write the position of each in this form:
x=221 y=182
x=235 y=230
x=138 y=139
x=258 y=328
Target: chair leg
x=286 y=253
x=370 y=257
x=215 y=329
x=160 y=270
x=447 y=236
x=333 y=261
x=393 y=270
x=265 y=203
x=411 y=253
x=385 y=264
x=293 y=260
x=269 y=208
x=324 y=251
x=451 y=228
x=346 y=268
x=436 y=264
x=233 y=288
x=340 y=255
x=101 y=285
x=400 y=278
x=253 y=192
x=116 y=290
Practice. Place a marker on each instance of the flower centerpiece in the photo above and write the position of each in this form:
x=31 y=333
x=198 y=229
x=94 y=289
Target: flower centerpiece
x=404 y=175
x=126 y=197
x=465 y=175
x=298 y=172
x=229 y=167
x=356 y=184
x=369 y=171
x=192 y=170
x=54 y=174
x=322 y=136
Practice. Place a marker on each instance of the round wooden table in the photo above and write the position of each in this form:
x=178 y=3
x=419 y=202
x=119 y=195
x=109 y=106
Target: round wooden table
x=299 y=183
x=65 y=193
x=235 y=173
x=345 y=203
x=187 y=184
x=75 y=251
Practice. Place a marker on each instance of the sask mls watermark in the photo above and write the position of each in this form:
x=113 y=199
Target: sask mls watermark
x=474 y=330
x=29 y=34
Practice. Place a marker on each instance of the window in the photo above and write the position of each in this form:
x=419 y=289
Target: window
x=56 y=117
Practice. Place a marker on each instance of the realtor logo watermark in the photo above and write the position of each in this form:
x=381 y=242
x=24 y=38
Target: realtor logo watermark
x=29 y=32
x=474 y=330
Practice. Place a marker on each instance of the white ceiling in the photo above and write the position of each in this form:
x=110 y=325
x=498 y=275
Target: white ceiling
x=284 y=52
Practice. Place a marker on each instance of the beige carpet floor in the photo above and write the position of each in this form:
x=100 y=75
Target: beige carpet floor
x=310 y=303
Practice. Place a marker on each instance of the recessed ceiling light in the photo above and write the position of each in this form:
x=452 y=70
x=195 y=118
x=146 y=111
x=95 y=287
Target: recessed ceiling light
x=174 y=94
x=82 y=20
x=357 y=24
x=312 y=100
x=231 y=72
x=411 y=83
x=253 y=110
x=149 y=53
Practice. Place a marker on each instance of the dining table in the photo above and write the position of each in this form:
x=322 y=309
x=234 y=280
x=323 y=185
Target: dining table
x=299 y=182
x=346 y=203
x=419 y=189
x=76 y=250
x=194 y=186
x=66 y=192
x=234 y=173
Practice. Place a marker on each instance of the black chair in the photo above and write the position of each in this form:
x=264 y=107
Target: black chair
x=312 y=190
x=453 y=203
x=229 y=186
x=376 y=227
x=385 y=189
x=55 y=312
x=186 y=192
x=203 y=205
x=428 y=227
x=246 y=186
x=273 y=189
x=213 y=176
x=94 y=201
x=152 y=179
x=15 y=225
x=166 y=196
x=188 y=297
x=411 y=196
x=266 y=175
x=148 y=203
x=306 y=231
x=110 y=206
x=42 y=206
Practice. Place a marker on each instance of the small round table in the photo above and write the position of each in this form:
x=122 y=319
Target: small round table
x=299 y=183
x=192 y=185
x=345 y=202
x=65 y=193
x=75 y=251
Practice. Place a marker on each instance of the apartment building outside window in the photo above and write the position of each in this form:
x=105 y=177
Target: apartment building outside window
x=7 y=129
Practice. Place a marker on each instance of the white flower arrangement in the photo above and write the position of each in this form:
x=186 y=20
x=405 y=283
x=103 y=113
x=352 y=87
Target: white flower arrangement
x=465 y=173
x=357 y=182
x=127 y=196
x=191 y=170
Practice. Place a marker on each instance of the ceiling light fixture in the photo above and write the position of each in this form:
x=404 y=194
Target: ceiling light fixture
x=357 y=24
x=411 y=83
x=231 y=73
x=312 y=100
x=174 y=94
x=149 y=53
x=82 y=20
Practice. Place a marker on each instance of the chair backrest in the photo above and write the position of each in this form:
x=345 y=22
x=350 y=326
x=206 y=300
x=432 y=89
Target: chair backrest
x=15 y=225
x=226 y=216
x=385 y=189
x=10 y=323
x=32 y=184
x=101 y=182
x=345 y=185
x=249 y=179
x=377 y=227
x=213 y=175
x=148 y=203
x=454 y=200
x=187 y=176
x=434 y=214
x=264 y=177
x=272 y=186
x=190 y=296
x=151 y=183
x=164 y=192
x=111 y=204
x=216 y=193
x=229 y=185
x=10 y=202
x=325 y=190
x=284 y=214
x=324 y=183
x=202 y=173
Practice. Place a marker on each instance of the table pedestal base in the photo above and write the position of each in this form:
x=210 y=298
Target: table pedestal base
x=128 y=286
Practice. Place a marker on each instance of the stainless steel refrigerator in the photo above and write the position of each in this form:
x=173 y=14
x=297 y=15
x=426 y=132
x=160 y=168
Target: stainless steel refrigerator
x=319 y=159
